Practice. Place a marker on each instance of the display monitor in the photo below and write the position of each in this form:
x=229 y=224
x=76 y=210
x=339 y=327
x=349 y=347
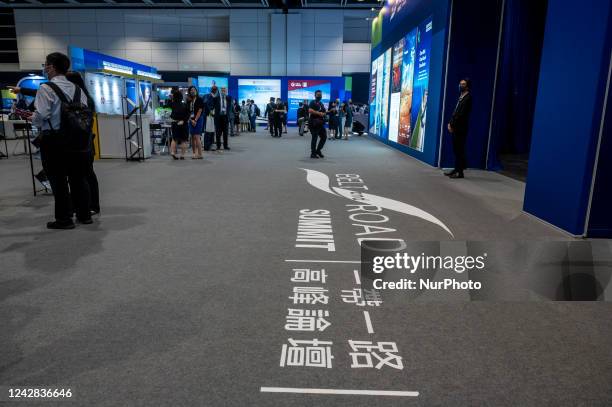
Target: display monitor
x=409 y=87
x=259 y=90
x=421 y=85
x=379 y=95
x=299 y=90
x=8 y=98
x=206 y=82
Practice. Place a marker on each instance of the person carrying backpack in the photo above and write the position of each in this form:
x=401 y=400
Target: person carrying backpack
x=65 y=122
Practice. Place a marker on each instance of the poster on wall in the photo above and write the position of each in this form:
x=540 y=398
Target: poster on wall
x=372 y=100
x=206 y=82
x=405 y=110
x=396 y=88
x=379 y=108
x=421 y=85
x=145 y=97
x=131 y=94
x=259 y=90
x=384 y=96
x=106 y=91
x=299 y=90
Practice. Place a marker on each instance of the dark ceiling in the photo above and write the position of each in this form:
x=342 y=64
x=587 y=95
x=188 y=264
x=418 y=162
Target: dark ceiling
x=275 y=4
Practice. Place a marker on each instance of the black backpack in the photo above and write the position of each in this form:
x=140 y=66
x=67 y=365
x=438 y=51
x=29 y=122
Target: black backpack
x=76 y=121
x=257 y=111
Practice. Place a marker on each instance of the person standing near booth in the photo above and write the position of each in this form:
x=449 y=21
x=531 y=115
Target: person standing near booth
x=65 y=152
x=279 y=117
x=180 y=131
x=196 y=121
x=458 y=127
x=269 y=114
x=348 y=122
x=222 y=105
x=316 y=124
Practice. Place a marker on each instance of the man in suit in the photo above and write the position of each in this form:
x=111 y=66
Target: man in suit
x=223 y=107
x=458 y=127
x=269 y=114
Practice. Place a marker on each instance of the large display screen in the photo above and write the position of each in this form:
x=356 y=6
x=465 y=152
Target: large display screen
x=421 y=85
x=259 y=90
x=299 y=90
x=106 y=91
x=379 y=95
x=410 y=81
x=396 y=88
x=206 y=82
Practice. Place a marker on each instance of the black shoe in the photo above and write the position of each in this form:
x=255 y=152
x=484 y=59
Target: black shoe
x=41 y=177
x=313 y=155
x=87 y=221
x=226 y=148
x=60 y=225
x=457 y=175
x=449 y=173
x=174 y=157
x=320 y=154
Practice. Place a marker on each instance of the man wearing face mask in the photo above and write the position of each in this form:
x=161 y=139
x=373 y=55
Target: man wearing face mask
x=65 y=164
x=341 y=115
x=458 y=127
x=222 y=106
x=316 y=123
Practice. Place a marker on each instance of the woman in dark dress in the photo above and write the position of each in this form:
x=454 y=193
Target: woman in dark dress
x=333 y=119
x=196 y=121
x=236 y=123
x=180 y=117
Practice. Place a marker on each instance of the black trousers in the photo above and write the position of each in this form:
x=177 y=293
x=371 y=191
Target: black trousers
x=221 y=131
x=278 y=126
x=317 y=133
x=459 y=139
x=67 y=174
x=92 y=182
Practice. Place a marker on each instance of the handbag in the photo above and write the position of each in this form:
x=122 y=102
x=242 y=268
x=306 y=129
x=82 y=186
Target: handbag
x=210 y=124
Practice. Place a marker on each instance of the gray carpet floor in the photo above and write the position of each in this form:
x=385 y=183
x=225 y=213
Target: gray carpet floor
x=177 y=295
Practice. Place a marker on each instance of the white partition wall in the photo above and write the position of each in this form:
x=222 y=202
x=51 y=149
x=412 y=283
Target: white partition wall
x=278 y=44
x=257 y=42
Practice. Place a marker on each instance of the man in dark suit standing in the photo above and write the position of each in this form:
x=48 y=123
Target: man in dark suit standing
x=222 y=104
x=269 y=114
x=458 y=127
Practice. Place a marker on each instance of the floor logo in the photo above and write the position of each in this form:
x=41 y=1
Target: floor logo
x=321 y=181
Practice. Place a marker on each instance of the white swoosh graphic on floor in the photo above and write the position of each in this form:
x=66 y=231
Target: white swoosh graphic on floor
x=321 y=181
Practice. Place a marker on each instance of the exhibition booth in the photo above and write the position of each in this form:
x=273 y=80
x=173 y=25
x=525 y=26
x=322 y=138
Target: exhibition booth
x=512 y=52
x=122 y=92
x=292 y=89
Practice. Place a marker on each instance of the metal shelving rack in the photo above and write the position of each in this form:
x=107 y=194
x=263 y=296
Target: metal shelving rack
x=132 y=131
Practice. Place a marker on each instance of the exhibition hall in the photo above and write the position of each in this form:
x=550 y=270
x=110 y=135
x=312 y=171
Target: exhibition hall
x=306 y=203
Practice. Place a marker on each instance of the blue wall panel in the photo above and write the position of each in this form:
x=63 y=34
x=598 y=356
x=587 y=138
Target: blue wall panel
x=473 y=54
x=573 y=71
x=419 y=11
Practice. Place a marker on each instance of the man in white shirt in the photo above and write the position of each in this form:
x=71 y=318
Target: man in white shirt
x=63 y=167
